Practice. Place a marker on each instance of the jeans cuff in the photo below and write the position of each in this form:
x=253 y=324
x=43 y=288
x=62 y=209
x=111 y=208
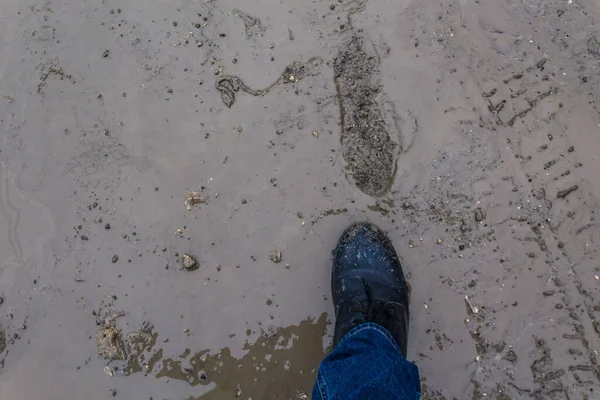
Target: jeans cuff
x=372 y=326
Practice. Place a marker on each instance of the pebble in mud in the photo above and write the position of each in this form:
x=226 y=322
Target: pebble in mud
x=275 y=256
x=194 y=199
x=105 y=53
x=189 y=262
x=115 y=258
x=479 y=214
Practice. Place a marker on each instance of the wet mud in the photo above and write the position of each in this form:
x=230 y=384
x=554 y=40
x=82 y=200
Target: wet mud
x=174 y=176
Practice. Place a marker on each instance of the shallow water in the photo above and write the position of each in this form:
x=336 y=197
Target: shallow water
x=483 y=112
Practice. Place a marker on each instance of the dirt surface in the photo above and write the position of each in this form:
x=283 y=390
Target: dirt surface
x=468 y=130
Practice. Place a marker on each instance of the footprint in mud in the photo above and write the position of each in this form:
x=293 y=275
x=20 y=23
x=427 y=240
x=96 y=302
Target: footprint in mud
x=228 y=85
x=366 y=140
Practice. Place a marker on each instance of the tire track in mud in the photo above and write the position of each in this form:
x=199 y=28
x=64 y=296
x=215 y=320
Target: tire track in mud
x=534 y=114
x=566 y=288
x=563 y=192
x=540 y=206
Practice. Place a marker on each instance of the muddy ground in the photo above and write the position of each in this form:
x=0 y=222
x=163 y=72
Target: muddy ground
x=248 y=135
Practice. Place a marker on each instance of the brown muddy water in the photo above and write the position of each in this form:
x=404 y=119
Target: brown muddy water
x=241 y=138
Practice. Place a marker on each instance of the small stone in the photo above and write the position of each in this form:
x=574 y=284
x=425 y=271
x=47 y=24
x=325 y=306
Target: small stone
x=480 y=214
x=113 y=392
x=105 y=53
x=115 y=258
x=194 y=199
x=189 y=262
x=511 y=356
x=275 y=256
x=315 y=134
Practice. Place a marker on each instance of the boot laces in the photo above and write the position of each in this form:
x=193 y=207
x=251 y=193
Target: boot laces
x=382 y=313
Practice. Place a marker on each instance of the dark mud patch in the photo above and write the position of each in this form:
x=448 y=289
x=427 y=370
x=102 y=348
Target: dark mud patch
x=366 y=142
x=288 y=354
x=228 y=85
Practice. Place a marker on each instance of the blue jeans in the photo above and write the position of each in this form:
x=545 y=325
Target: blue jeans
x=367 y=364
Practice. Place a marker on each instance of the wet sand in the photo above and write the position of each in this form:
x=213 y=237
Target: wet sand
x=468 y=130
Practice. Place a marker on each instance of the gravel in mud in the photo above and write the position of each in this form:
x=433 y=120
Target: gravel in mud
x=468 y=130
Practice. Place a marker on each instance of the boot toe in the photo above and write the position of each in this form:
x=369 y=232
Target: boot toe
x=365 y=253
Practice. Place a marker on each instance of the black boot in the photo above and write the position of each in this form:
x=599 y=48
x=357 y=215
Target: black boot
x=368 y=284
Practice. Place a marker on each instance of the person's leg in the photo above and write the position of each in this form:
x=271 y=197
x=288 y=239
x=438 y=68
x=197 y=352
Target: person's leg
x=371 y=304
